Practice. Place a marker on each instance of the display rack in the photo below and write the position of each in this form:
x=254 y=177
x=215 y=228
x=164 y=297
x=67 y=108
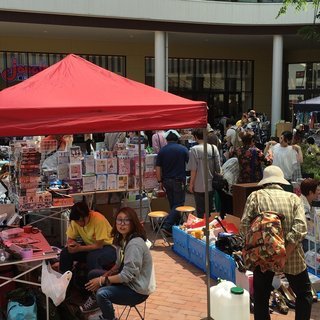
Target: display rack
x=313 y=237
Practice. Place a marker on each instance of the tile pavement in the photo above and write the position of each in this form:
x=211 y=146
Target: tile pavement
x=181 y=290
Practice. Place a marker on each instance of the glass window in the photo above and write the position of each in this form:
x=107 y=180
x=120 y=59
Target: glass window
x=234 y=75
x=186 y=74
x=149 y=71
x=17 y=67
x=295 y=98
x=297 y=76
x=247 y=79
x=218 y=74
x=37 y=62
x=116 y=64
x=3 y=67
x=316 y=72
x=173 y=74
x=56 y=57
x=247 y=100
x=206 y=79
x=203 y=74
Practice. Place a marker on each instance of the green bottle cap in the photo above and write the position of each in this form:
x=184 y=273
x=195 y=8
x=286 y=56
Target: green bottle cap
x=237 y=290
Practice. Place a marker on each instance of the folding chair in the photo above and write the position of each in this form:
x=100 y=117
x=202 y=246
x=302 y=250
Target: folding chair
x=140 y=313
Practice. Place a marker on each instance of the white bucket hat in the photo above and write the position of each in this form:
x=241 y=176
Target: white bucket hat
x=273 y=174
x=175 y=132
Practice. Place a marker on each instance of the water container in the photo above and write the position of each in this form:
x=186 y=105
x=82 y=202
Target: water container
x=229 y=302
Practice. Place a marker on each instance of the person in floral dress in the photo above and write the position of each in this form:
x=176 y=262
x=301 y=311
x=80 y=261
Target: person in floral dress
x=251 y=159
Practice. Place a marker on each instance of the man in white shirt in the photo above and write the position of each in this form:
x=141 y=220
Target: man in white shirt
x=285 y=156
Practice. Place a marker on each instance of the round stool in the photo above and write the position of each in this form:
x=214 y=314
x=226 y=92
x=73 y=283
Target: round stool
x=184 y=212
x=157 y=219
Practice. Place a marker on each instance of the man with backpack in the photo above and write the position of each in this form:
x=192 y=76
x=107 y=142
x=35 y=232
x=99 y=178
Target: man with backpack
x=273 y=199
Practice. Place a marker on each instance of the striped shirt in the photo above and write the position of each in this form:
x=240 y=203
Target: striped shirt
x=274 y=198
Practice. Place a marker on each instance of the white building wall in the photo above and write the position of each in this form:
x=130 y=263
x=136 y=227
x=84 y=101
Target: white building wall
x=192 y=11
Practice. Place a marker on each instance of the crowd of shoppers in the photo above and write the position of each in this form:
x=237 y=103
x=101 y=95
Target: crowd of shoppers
x=118 y=259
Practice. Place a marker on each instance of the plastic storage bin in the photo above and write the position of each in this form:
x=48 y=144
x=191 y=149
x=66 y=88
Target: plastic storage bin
x=181 y=242
x=222 y=265
x=197 y=251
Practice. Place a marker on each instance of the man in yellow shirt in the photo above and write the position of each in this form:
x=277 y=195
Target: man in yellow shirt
x=89 y=240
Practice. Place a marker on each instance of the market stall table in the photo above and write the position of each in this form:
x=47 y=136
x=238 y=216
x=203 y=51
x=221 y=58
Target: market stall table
x=41 y=251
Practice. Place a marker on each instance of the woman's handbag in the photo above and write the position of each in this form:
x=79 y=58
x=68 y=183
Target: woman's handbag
x=218 y=181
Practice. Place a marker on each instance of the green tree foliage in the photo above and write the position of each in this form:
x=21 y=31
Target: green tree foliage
x=311 y=32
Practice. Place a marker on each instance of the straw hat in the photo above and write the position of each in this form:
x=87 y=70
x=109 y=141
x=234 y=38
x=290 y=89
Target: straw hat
x=273 y=174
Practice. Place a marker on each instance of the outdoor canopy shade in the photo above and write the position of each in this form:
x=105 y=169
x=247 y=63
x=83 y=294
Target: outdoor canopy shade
x=308 y=105
x=76 y=96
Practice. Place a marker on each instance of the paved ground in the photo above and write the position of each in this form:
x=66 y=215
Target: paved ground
x=181 y=290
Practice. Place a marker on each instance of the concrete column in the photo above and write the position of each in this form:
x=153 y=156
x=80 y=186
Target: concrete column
x=161 y=60
x=276 y=81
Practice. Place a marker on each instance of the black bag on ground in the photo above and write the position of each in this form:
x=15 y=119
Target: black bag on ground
x=42 y=308
x=229 y=243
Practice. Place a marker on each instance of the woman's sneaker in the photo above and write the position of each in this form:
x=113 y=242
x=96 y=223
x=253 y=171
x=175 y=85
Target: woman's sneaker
x=90 y=305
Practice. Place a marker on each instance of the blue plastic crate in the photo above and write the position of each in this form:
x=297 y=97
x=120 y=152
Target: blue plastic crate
x=314 y=271
x=197 y=251
x=180 y=242
x=222 y=265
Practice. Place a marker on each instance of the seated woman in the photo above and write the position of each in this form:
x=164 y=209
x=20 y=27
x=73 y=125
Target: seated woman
x=95 y=232
x=131 y=280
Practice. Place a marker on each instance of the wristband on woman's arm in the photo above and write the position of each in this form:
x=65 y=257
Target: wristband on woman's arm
x=104 y=281
x=107 y=281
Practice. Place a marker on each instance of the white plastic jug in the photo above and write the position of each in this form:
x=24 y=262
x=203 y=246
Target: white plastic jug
x=227 y=301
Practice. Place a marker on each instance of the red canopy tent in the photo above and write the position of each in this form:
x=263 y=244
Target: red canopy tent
x=76 y=96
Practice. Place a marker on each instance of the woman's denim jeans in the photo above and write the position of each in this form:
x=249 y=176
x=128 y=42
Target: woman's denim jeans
x=119 y=294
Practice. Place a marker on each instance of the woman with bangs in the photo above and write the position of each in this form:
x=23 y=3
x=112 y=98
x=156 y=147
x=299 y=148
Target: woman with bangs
x=131 y=280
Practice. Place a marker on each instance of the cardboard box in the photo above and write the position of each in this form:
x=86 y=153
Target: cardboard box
x=241 y=192
x=233 y=219
x=108 y=210
x=160 y=204
x=283 y=126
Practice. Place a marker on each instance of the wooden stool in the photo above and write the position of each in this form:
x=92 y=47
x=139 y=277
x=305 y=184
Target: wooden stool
x=184 y=212
x=157 y=219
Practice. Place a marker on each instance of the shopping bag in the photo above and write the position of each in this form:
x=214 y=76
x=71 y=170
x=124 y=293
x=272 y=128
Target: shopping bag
x=54 y=284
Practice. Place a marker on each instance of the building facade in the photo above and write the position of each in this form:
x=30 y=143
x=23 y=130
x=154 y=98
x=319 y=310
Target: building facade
x=233 y=55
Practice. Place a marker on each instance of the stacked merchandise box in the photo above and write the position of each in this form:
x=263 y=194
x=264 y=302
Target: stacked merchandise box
x=181 y=242
x=26 y=187
x=313 y=237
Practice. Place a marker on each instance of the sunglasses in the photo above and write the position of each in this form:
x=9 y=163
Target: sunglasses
x=125 y=221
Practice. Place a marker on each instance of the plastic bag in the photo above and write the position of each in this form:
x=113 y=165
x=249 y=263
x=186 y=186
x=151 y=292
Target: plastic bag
x=54 y=284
